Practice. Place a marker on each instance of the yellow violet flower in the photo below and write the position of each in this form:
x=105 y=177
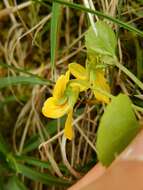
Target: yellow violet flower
x=94 y=79
x=81 y=75
x=62 y=102
x=60 y=85
x=56 y=106
x=78 y=71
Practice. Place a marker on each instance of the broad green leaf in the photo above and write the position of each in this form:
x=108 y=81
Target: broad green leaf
x=15 y=80
x=55 y=24
x=15 y=184
x=118 y=126
x=41 y=177
x=104 y=42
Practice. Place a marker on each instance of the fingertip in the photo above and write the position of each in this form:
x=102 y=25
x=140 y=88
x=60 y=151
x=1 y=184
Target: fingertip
x=135 y=150
x=96 y=172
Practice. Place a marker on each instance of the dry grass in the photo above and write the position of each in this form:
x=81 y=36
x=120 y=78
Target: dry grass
x=24 y=44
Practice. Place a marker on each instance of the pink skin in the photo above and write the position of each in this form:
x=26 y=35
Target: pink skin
x=126 y=172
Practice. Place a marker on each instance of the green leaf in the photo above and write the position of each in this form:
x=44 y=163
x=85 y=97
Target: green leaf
x=55 y=24
x=104 y=42
x=41 y=177
x=15 y=184
x=118 y=126
x=15 y=80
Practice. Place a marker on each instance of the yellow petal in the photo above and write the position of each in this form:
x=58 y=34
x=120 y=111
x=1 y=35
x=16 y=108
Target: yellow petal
x=60 y=85
x=68 y=131
x=83 y=85
x=67 y=76
x=102 y=84
x=51 y=108
x=78 y=71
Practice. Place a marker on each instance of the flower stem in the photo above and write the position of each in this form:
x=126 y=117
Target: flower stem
x=66 y=162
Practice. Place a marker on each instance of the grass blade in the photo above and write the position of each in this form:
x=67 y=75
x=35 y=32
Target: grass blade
x=33 y=161
x=15 y=80
x=43 y=178
x=28 y=160
x=19 y=70
x=139 y=59
x=98 y=13
x=55 y=25
x=15 y=184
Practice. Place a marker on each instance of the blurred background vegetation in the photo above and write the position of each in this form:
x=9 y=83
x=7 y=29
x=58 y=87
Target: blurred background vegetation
x=38 y=39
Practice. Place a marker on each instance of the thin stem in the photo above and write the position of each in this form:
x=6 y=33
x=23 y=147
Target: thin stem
x=86 y=138
x=130 y=75
x=63 y=150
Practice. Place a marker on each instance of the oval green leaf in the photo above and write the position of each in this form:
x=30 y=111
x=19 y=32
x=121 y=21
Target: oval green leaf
x=117 y=128
x=104 y=42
